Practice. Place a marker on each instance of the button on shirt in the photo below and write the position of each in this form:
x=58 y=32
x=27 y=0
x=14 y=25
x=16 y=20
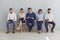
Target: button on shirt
x=49 y=16
x=40 y=17
x=12 y=17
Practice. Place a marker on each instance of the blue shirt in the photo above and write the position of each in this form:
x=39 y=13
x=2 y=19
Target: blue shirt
x=40 y=17
x=29 y=16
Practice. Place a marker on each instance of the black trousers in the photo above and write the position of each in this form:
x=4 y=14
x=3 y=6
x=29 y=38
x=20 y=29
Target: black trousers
x=30 y=26
x=46 y=25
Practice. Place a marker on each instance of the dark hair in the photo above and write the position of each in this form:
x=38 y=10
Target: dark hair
x=39 y=10
x=21 y=9
x=49 y=8
x=11 y=9
x=29 y=8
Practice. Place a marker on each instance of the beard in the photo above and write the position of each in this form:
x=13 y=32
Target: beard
x=48 y=12
x=10 y=12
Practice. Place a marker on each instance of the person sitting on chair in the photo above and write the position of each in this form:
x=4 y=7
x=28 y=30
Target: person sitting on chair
x=30 y=17
x=49 y=19
x=21 y=18
x=11 y=19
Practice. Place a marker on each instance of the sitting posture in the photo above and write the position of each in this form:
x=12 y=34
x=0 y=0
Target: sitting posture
x=11 y=19
x=39 y=20
x=49 y=19
x=21 y=18
x=30 y=17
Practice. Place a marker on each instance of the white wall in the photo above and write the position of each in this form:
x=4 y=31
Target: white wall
x=35 y=4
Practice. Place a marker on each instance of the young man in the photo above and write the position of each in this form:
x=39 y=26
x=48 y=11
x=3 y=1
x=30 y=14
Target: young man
x=49 y=20
x=11 y=19
x=40 y=20
x=30 y=17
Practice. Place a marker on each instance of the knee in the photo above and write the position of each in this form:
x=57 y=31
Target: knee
x=54 y=24
x=7 y=22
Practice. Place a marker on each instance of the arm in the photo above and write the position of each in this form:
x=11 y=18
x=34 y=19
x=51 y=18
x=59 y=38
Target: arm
x=34 y=16
x=37 y=18
x=46 y=17
x=8 y=17
x=15 y=18
x=52 y=17
x=27 y=16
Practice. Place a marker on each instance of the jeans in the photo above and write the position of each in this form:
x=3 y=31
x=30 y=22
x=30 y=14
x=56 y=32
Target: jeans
x=30 y=26
x=39 y=24
x=9 y=22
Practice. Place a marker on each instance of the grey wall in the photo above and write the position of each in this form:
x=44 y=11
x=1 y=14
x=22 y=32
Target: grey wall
x=35 y=4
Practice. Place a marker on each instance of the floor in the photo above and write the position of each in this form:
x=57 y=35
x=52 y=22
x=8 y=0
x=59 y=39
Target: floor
x=30 y=36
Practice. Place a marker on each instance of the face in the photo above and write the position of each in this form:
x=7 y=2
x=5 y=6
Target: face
x=21 y=11
x=49 y=11
x=30 y=10
x=11 y=11
x=40 y=12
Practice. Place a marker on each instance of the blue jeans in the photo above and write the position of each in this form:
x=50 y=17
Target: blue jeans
x=30 y=26
x=9 y=22
x=39 y=24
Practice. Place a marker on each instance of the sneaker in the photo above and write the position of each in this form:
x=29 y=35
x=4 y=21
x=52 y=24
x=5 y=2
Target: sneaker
x=13 y=32
x=8 y=32
x=39 y=32
x=46 y=31
x=52 y=31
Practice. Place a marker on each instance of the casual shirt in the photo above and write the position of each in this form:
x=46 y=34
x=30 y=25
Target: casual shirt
x=12 y=17
x=40 y=17
x=49 y=17
x=22 y=15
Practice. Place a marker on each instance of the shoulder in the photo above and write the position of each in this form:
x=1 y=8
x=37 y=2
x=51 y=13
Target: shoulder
x=42 y=14
x=52 y=15
x=33 y=12
x=24 y=13
x=14 y=13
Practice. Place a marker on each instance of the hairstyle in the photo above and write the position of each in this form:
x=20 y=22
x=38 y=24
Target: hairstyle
x=29 y=8
x=49 y=8
x=11 y=9
x=39 y=10
x=21 y=9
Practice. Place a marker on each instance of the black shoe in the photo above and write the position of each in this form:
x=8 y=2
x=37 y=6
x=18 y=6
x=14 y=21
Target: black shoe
x=39 y=32
x=8 y=32
x=46 y=31
x=13 y=32
x=29 y=30
x=52 y=31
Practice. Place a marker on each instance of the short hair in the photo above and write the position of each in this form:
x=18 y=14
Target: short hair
x=39 y=10
x=11 y=9
x=49 y=8
x=21 y=9
x=29 y=8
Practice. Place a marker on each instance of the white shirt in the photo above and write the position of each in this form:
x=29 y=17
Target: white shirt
x=12 y=17
x=22 y=15
x=40 y=17
x=50 y=17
